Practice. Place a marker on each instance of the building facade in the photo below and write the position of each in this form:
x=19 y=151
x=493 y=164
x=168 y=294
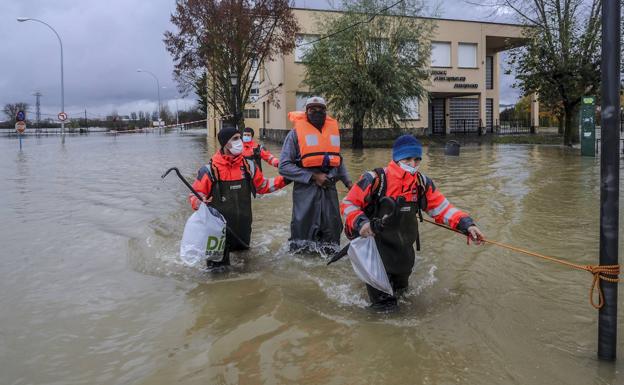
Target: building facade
x=464 y=84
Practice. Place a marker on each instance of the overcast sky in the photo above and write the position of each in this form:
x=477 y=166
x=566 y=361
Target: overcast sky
x=104 y=42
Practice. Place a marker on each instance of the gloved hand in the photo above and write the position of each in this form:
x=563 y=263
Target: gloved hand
x=377 y=225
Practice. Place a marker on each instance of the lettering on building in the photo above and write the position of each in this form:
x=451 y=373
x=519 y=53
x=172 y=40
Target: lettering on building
x=441 y=76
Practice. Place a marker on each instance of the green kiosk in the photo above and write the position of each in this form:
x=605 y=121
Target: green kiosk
x=588 y=126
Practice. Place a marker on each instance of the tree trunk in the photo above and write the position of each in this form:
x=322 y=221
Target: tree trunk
x=241 y=123
x=358 y=134
x=561 y=123
x=571 y=135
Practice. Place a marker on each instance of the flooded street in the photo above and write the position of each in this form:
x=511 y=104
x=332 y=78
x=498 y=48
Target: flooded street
x=93 y=290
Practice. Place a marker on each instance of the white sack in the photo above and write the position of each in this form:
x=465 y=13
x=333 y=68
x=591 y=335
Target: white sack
x=204 y=236
x=367 y=263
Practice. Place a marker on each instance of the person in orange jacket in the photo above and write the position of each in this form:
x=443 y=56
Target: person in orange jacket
x=411 y=192
x=227 y=182
x=311 y=158
x=256 y=151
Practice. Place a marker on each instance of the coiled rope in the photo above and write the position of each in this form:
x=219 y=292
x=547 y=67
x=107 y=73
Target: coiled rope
x=608 y=273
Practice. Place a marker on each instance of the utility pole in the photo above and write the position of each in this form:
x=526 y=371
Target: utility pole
x=86 y=121
x=177 y=115
x=609 y=174
x=38 y=109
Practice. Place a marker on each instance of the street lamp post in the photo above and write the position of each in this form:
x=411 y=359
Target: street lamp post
x=23 y=19
x=177 y=114
x=157 y=88
x=234 y=81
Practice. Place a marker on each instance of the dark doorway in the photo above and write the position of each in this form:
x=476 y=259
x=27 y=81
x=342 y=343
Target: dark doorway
x=437 y=113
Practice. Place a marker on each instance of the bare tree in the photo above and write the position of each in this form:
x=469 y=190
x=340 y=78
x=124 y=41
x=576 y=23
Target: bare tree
x=225 y=38
x=11 y=109
x=561 y=60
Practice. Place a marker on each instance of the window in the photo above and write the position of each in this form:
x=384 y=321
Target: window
x=301 y=101
x=467 y=55
x=255 y=89
x=302 y=46
x=255 y=70
x=376 y=47
x=489 y=72
x=489 y=113
x=440 y=54
x=251 y=113
x=412 y=107
x=409 y=51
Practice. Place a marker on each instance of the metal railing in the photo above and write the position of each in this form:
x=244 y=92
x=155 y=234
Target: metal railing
x=439 y=127
x=513 y=127
x=465 y=126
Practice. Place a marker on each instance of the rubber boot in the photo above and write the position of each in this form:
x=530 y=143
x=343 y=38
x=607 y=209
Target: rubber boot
x=380 y=301
x=220 y=266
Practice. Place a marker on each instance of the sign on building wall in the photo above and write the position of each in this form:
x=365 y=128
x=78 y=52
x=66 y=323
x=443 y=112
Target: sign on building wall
x=441 y=76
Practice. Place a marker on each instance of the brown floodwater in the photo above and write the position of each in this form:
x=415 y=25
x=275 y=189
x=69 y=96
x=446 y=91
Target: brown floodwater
x=93 y=290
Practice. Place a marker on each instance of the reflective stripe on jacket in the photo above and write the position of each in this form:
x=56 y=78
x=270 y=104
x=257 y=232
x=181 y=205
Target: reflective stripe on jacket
x=250 y=148
x=231 y=168
x=399 y=183
x=318 y=148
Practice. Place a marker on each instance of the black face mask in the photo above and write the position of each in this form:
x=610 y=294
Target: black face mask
x=317 y=118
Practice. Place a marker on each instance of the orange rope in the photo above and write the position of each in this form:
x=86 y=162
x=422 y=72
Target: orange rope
x=607 y=273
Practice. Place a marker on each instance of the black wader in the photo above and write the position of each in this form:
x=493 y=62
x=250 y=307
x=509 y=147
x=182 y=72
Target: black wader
x=316 y=217
x=396 y=246
x=256 y=157
x=233 y=200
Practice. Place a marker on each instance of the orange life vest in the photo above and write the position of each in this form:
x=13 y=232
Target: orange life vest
x=317 y=148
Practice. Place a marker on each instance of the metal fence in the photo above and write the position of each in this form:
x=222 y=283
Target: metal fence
x=513 y=127
x=502 y=127
x=464 y=126
x=438 y=126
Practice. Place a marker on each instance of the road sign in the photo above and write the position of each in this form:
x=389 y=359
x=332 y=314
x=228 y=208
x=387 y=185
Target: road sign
x=62 y=116
x=20 y=127
x=20 y=116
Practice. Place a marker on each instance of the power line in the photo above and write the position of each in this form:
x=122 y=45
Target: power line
x=351 y=26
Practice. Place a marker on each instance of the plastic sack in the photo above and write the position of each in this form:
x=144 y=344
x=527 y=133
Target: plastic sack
x=367 y=263
x=204 y=236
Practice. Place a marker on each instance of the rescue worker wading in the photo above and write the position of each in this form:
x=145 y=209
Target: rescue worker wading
x=228 y=181
x=311 y=158
x=255 y=151
x=411 y=191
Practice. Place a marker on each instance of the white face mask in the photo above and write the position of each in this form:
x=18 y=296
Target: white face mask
x=408 y=168
x=236 y=147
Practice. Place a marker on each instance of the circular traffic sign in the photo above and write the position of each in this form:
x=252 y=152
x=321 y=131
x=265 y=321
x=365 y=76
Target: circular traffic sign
x=20 y=116
x=20 y=127
x=62 y=116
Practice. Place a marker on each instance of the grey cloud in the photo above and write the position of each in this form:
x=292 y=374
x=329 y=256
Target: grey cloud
x=104 y=43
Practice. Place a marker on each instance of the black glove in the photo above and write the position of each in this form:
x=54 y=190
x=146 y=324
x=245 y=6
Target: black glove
x=377 y=225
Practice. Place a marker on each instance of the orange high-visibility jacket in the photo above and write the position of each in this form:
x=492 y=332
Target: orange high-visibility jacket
x=250 y=147
x=318 y=148
x=230 y=168
x=400 y=183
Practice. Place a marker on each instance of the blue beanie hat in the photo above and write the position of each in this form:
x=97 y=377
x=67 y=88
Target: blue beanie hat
x=406 y=146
